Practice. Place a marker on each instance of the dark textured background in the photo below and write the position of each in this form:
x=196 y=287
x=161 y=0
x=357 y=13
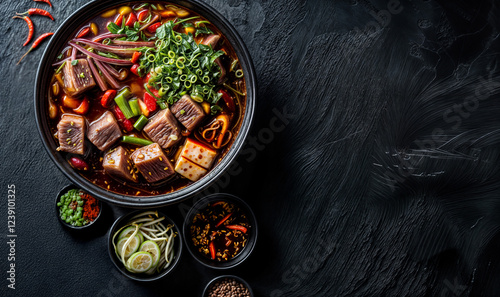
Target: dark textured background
x=372 y=165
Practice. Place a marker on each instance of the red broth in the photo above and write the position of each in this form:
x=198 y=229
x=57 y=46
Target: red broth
x=232 y=109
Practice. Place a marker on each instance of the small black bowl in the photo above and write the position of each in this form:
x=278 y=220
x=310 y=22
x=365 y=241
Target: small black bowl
x=238 y=279
x=138 y=276
x=89 y=226
x=252 y=239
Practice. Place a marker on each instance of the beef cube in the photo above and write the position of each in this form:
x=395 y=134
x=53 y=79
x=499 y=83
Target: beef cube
x=71 y=134
x=198 y=153
x=163 y=129
x=152 y=163
x=117 y=162
x=104 y=132
x=189 y=169
x=211 y=40
x=188 y=112
x=77 y=78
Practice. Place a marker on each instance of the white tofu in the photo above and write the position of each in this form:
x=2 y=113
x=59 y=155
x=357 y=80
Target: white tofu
x=198 y=154
x=189 y=169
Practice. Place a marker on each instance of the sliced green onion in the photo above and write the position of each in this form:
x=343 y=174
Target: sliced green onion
x=162 y=104
x=121 y=101
x=197 y=97
x=136 y=140
x=134 y=107
x=61 y=67
x=239 y=73
x=195 y=63
x=161 y=91
x=179 y=64
x=140 y=123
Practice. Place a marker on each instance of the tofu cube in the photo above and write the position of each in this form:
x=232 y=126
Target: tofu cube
x=189 y=169
x=198 y=153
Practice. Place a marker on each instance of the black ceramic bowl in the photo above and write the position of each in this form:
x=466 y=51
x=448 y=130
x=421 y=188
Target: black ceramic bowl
x=45 y=71
x=141 y=276
x=231 y=277
x=245 y=252
x=86 y=227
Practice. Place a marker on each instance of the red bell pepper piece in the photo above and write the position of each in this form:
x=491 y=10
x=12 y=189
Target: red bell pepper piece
x=135 y=69
x=107 y=98
x=152 y=28
x=223 y=220
x=83 y=108
x=135 y=57
x=142 y=15
x=131 y=20
x=237 y=227
x=119 y=20
x=228 y=100
x=150 y=102
x=211 y=246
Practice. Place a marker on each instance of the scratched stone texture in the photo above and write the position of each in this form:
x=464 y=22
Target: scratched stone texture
x=372 y=164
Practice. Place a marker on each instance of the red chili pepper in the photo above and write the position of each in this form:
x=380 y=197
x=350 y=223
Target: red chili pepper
x=211 y=246
x=135 y=69
x=150 y=102
x=83 y=32
x=36 y=43
x=107 y=98
x=223 y=220
x=228 y=100
x=142 y=15
x=119 y=114
x=152 y=28
x=131 y=20
x=37 y=11
x=126 y=124
x=45 y=1
x=135 y=57
x=119 y=20
x=31 y=28
x=237 y=227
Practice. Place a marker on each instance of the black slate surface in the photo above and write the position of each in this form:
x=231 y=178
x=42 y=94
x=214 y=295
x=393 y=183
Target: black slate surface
x=372 y=165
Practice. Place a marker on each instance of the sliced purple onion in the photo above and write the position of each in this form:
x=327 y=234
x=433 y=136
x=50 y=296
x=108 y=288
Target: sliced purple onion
x=73 y=53
x=97 y=77
x=114 y=84
x=120 y=50
x=107 y=35
x=97 y=57
x=111 y=70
